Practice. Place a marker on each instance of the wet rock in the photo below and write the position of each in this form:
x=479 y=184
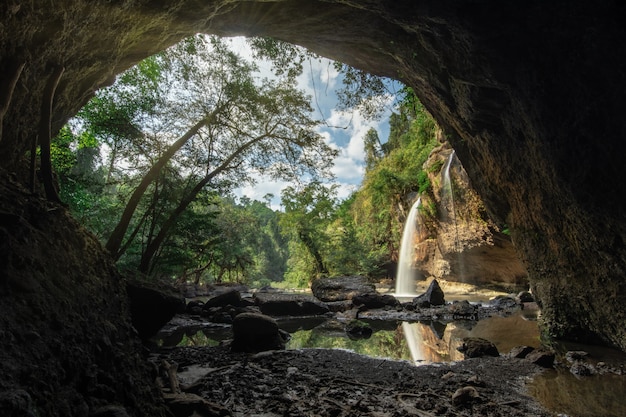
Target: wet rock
x=582 y=369
x=341 y=288
x=476 y=347
x=152 y=305
x=475 y=381
x=339 y=306
x=290 y=305
x=465 y=396
x=503 y=302
x=541 y=357
x=576 y=355
x=229 y=297
x=375 y=300
x=256 y=333
x=433 y=296
x=462 y=309
x=520 y=352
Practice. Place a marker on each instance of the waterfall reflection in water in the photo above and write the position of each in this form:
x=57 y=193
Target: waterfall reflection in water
x=418 y=342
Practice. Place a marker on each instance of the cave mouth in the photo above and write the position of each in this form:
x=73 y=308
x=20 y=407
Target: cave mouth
x=525 y=93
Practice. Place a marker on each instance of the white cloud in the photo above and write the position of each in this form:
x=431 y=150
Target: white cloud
x=343 y=131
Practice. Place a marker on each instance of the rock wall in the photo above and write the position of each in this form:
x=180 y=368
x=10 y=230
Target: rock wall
x=67 y=347
x=458 y=241
x=529 y=93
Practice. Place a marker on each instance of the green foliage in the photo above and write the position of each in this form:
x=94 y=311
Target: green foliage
x=377 y=219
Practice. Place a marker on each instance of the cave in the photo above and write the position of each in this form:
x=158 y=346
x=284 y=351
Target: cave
x=529 y=94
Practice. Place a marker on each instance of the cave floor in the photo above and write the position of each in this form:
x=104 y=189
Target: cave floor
x=335 y=382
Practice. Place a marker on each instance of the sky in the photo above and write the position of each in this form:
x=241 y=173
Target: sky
x=341 y=130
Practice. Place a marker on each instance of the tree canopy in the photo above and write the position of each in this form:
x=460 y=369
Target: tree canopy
x=150 y=163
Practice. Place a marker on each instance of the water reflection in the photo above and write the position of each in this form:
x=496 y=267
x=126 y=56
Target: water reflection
x=418 y=342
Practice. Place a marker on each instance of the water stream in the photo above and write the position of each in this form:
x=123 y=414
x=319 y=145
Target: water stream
x=407 y=274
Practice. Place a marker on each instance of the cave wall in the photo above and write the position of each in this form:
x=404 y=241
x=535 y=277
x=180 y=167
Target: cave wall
x=528 y=93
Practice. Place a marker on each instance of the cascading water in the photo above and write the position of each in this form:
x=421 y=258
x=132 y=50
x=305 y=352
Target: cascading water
x=448 y=209
x=406 y=274
x=448 y=197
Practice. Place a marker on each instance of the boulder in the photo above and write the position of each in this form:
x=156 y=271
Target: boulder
x=341 y=288
x=541 y=357
x=432 y=297
x=152 y=305
x=462 y=309
x=520 y=352
x=254 y=333
x=374 y=300
x=464 y=396
x=289 y=304
x=476 y=347
x=229 y=297
x=503 y=302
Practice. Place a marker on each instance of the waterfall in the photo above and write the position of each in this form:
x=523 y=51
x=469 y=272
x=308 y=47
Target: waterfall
x=406 y=273
x=447 y=206
x=448 y=195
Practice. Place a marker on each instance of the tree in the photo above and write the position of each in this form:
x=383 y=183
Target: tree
x=213 y=119
x=372 y=148
x=308 y=211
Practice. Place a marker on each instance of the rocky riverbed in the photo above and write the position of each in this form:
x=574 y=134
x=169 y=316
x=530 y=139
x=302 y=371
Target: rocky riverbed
x=213 y=381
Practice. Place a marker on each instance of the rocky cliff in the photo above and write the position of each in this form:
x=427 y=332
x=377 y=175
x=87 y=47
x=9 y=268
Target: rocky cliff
x=457 y=240
x=529 y=93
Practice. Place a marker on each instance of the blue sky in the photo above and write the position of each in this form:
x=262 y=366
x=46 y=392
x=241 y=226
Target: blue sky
x=342 y=130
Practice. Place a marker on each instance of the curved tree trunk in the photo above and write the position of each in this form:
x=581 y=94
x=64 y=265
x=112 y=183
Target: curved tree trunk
x=117 y=236
x=155 y=244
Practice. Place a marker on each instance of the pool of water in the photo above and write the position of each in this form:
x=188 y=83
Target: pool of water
x=419 y=342
x=427 y=342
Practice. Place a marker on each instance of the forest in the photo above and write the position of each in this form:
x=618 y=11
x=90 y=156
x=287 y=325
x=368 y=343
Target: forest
x=151 y=163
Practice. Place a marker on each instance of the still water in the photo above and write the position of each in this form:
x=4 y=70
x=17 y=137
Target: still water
x=420 y=342
x=428 y=342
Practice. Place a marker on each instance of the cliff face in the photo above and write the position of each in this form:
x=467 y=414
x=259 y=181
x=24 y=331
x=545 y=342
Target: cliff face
x=458 y=241
x=529 y=93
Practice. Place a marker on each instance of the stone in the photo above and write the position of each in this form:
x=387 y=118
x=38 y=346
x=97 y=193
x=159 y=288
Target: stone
x=502 y=302
x=520 y=352
x=464 y=396
x=375 y=300
x=274 y=304
x=461 y=309
x=476 y=347
x=576 y=355
x=341 y=288
x=254 y=333
x=152 y=305
x=541 y=357
x=229 y=297
x=433 y=296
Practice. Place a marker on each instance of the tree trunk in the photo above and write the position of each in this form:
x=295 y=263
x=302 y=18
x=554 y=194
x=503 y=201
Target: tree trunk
x=312 y=247
x=117 y=236
x=155 y=244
